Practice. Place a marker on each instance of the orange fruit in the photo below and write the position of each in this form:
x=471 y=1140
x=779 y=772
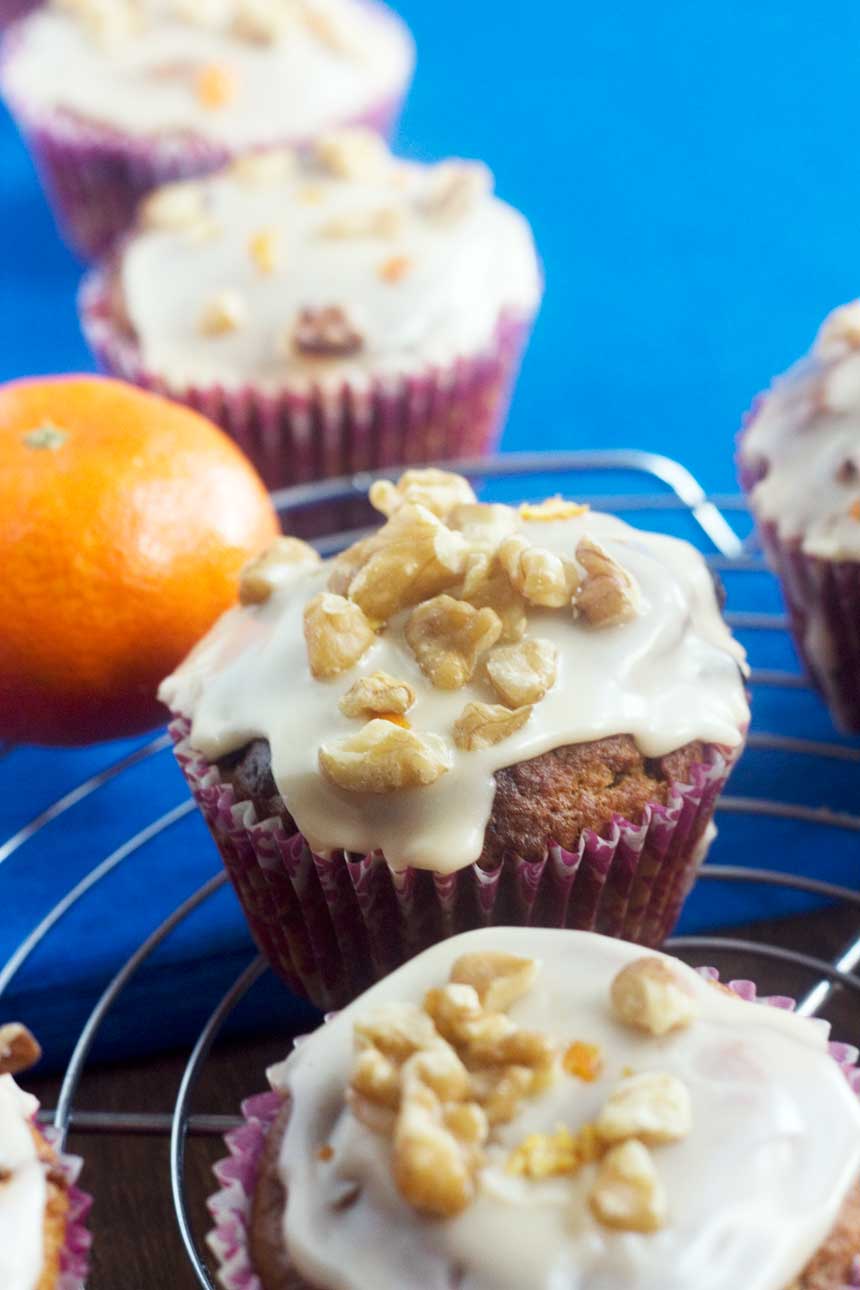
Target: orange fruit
x=124 y=522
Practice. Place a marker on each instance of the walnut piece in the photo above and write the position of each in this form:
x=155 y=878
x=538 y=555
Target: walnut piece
x=397 y=1029
x=265 y=250
x=18 y=1049
x=353 y=153
x=628 y=1194
x=264 y=169
x=481 y=725
x=650 y=995
x=278 y=565
x=173 y=207
x=383 y=757
x=483 y=524
x=553 y=508
x=412 y=557
x=545 y=1155
x=840 y=331
x=377 y=694
x=260 y=22
x=608 y=595
x=337 y=634
x=498 y=979
x=653 y=1107
x=487 y=586
x=456 y=189
x=384 y=222
x=440 y=491
x=433 y=1170
x=225 y=312
x=543 y=578
x=326 y=333
x=522 y=673
x=448 y=638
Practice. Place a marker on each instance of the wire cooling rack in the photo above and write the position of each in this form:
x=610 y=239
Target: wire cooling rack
x=663 y=495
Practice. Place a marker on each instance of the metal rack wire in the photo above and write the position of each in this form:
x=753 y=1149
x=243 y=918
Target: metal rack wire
x=728 y=553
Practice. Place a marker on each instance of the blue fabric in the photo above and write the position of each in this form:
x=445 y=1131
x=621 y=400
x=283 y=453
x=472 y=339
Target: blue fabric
x=692 y=177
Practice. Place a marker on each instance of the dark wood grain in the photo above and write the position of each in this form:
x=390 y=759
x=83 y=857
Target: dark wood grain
x=137 y=1245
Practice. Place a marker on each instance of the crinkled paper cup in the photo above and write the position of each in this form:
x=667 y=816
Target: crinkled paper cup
x=74 y=1256
x=237 y=1174
x=823 y=602
x=298 y=434
x=332 y=926
x=12 y=10
x=95 y=175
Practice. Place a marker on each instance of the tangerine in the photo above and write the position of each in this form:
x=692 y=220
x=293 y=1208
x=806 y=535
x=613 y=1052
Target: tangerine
x=124 y=523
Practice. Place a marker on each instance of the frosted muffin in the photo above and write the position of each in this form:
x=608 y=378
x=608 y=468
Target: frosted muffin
x=799 y=459
x=43 y=1241
x=480 y=714
x=335 y=311
x=118 y=96
x=522 y=1108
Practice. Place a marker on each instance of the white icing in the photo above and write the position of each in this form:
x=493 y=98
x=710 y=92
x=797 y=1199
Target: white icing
x=805 y=429
x=143 y=82
x=447 y=305
x=752 y=1192
x=23 y=1196
x=667 y=678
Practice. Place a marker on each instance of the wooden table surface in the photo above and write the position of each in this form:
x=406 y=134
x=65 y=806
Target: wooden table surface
x=136 y=1240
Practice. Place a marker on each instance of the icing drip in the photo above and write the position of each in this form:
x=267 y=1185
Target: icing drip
x=23 y=1195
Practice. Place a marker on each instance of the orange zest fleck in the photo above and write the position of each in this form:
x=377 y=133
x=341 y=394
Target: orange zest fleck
x=396 y=268
x=216 y=86
x=325 y=1152
x=855 y=510
x=583 y=1061
x=396 y=718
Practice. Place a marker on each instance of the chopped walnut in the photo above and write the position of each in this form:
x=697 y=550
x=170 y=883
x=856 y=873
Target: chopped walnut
x=502 y=1089
x=377 y=694
x=397 y=1029
x=628 y=1194
x=650 y=995
x=545 y=1155
x=376 y=1079
x=653 y=1107
x=412 y=557
x=840 y=331
x=483 y=524
x=522 y=673
x=265 y=250
x=337 y=634
x=553 y=508
x=383 y=758
x=498 y=979
x=279 y=564
x=264 y=169
x=260 y=21
x=434 y=1171
x=448 y=638
x=174 y=207
x=224 y=313
x=18 y=1049
x=439 y=1068
x=487 y=586
x=326 y=333
x=439 y=491
x=383 y=222
x=456 y=189
x=608 y=595
x=353 y=153
x=543 y=578
x=481 y=725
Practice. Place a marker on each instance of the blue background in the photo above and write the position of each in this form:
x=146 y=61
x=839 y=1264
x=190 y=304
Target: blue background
x=691 y=173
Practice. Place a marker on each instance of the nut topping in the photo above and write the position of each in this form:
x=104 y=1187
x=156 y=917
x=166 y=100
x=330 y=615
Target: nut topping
x=497 y=979
x=609 y=595
x=174 y=207
x=456 y=189
x=265 y=251
x=433 y=1170
x=412 y=557
x=382 y=758
x=337 y=634
x=264 y=169
x=628 y=1194
x=487 y=586
x=523 y=673
x=353 y=153
x=18 y=1049
x=840 y=331
x=652 y=1107
x=224 y=313
x=282 y=561
x=543 y=578
x=326 y=333
x=448 y=637
x=377 y=694
x=650 y=995
x=385 y=222
x=481 y=725
x=439 y=491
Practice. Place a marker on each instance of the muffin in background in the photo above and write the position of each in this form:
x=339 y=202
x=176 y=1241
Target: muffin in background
x=519 y=1108
x=334 y=311
x=799 y=462
x=44 y=1242
x=116 y=97
x=479 y=714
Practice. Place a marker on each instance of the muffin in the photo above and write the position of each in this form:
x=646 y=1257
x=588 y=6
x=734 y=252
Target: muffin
x=799 y=460
x=116 y=97
x=43 y=1240
x=335 y=311
x=518 y=1108
x=478 y=714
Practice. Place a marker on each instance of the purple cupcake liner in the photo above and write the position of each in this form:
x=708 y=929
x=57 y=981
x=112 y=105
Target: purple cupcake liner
x=237 y=1173
x=74 y=1256
x=12 y=10
x=95 y=176
x=823 y=602
x=296 y=435
x=330 y=927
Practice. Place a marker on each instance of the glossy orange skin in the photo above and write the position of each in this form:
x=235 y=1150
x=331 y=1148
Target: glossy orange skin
x=124 y=522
